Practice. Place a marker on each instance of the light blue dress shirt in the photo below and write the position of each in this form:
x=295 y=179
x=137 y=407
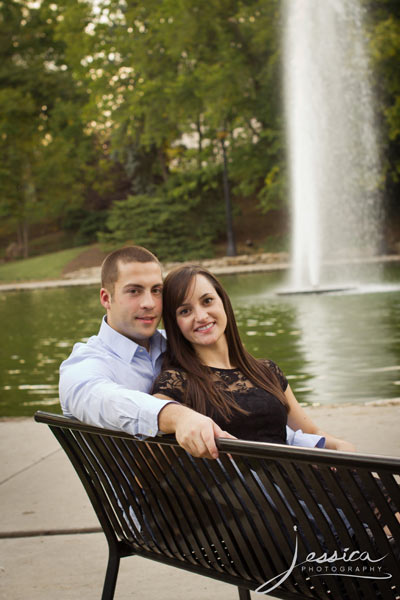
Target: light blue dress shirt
x=106 y=382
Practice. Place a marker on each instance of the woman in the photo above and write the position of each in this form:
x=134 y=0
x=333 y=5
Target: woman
x=207 y=367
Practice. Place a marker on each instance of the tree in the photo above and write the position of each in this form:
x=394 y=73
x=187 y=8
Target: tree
x=115 y=98
x=385 y=51
x=178 y=221
x=167 y=77
x=43 y=144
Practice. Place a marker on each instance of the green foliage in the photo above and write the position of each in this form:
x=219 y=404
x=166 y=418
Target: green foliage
x=178 y=221
x=36 y=97
x=173 y=75
x=84 y=225
x=385 y=52
x=118 y=108
x=47 y=155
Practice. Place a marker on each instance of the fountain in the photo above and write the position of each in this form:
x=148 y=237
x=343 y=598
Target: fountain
x=333 y=155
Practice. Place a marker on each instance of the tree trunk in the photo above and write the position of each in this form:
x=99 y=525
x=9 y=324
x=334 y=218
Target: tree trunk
x=164 y=168
x=25 y=238
x=230 y=235
x=29 y=200
x=200 y=145
x=19 y=235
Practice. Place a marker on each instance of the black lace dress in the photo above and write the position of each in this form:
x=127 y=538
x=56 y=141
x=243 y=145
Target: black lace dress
x=267 y=418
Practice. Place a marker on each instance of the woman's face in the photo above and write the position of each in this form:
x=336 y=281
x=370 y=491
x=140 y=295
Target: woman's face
x=201 y=317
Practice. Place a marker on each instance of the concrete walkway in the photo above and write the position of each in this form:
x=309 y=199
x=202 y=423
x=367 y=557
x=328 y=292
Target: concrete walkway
x=44 y=553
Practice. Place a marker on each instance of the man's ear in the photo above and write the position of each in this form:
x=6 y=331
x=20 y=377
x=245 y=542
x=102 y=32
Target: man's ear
x=105 y=298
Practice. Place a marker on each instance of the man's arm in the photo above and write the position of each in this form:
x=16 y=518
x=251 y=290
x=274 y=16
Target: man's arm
x=89 y=392
x=196 y=433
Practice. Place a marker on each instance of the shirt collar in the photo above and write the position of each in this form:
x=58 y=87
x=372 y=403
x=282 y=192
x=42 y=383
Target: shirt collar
x=126 y=348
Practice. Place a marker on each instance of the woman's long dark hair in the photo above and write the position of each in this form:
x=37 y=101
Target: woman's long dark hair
x=201 y=393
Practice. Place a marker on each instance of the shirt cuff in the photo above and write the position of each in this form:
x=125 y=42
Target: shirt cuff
x=141 y=419
x=306 y=440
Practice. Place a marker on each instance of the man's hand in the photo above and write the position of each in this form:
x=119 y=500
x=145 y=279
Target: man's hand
x=196 y=433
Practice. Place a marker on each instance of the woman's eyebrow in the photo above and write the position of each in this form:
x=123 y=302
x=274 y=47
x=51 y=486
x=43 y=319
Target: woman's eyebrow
x=189 y=303
x=184 y=304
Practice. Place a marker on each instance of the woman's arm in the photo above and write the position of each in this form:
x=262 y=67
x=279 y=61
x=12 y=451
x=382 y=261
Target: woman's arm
x=298 y=419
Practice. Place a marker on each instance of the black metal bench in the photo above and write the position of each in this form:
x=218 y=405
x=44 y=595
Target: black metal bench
x=313 y=523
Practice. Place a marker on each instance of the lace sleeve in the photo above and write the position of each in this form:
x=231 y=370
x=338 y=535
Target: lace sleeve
x=278 y=372
x=171 y=383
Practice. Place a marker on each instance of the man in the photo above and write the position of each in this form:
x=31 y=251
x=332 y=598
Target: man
x=105 y=382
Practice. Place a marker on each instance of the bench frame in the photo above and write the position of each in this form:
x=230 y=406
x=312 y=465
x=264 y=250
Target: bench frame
x=234 y=519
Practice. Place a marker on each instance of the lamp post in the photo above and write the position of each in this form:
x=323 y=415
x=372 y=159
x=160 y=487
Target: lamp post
x=231 y=245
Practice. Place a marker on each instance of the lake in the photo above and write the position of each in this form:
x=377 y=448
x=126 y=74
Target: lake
x=335 y=348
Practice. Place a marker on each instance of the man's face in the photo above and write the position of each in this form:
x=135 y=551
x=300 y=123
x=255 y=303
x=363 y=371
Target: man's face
x=134 y=309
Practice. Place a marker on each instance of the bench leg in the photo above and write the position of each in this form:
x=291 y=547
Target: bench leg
x=111 y=577
x=244 y=594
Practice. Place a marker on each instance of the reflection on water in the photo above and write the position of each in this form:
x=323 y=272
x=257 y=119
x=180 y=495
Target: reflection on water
x=39 y=330
x=344 y=340
x=333 y=348
x=337 y=348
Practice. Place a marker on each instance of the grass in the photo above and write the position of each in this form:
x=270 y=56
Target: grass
x=276 y=243
x=47 y=266
x=51 y=265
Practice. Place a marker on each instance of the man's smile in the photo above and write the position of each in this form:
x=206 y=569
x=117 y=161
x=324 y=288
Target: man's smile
x=147 y=319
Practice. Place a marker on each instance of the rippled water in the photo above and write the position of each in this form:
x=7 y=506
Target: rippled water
x=39 y=329
x=333 y=348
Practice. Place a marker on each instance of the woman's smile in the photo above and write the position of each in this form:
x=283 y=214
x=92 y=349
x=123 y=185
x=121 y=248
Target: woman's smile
x=205 y=328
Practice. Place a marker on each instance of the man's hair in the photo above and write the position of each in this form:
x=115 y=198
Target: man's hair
x=109 y=268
